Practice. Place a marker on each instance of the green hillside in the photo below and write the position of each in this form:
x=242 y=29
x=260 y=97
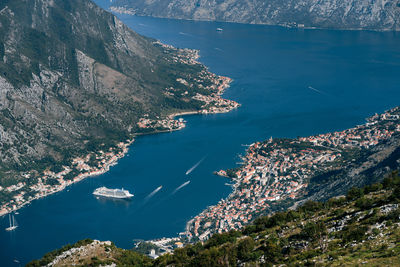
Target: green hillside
x=359 y=229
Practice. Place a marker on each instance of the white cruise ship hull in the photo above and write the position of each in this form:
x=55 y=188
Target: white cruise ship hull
x=112 y=193
x=111 y=196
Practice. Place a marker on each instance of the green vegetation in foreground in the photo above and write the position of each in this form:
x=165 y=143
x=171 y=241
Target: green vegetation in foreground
x=361 y=228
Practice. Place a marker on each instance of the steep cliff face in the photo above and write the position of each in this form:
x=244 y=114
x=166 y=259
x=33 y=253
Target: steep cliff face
x=364 y=14
x=72 y=76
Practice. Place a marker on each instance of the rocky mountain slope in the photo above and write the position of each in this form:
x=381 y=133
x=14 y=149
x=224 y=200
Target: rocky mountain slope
x=343 y=14
x=361 y=228
x=75 y=80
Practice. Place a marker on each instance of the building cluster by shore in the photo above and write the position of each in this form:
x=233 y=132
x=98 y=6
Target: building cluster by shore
x=50 y=182
x=185 y=56
x=214 y=103
x=211 y=83
x=123 y=10
x=165 y=124
x=280 y=169
x=97 y=163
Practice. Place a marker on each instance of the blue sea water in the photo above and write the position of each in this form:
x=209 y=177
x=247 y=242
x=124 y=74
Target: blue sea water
x=290 y=83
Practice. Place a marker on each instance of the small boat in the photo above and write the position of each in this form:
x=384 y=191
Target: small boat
x=13 y=223
x=220 y=29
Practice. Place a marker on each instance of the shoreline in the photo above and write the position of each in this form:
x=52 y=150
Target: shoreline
x=184 y=113
x=127 y=11
x=221 y=83
x=106 y=167
x=103 y=169
x=270 y=171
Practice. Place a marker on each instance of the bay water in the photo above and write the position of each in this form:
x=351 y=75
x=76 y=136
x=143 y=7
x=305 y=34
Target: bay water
x=290 y=82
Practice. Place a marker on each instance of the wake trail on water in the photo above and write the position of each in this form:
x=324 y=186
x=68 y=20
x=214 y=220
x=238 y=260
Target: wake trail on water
x=180 y=187
x=195 y=166
x=191 y=35
x=153 y=193
x=185 y=34
x=318 y=91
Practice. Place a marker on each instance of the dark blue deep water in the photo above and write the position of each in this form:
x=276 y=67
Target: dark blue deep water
x=356 y=73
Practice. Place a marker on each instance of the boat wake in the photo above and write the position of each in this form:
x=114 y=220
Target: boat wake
x=180 y=187
x=153 y=193
x=318 y=91
x=195 y=166
x=13 y=223
x=185 y=34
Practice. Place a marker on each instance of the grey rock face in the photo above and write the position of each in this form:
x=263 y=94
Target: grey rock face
x=345 y=14
x=380 y=161
x=73 y=76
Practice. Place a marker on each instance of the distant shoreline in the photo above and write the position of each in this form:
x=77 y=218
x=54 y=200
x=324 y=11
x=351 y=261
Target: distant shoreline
x=184 y=113
x=125 y=11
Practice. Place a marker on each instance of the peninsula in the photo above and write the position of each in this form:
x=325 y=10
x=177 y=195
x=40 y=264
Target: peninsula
x=278 y=172
x=99 y=162
x=73 y=100
x=281 y=173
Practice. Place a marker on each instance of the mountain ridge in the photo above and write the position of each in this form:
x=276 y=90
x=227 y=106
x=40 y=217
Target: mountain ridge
x=75 y=85
x=338 y=14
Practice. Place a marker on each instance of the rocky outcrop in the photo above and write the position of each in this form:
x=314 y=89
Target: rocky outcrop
x=74 y=79
x=343 y=14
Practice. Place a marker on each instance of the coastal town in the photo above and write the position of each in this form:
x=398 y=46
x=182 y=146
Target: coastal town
x=211 y=85
x=33 y=187
x=211 y=104
x=210 y=101
x=279 y=169
x=50 y=182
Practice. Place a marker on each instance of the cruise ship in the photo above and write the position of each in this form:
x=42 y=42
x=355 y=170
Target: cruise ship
x=112 y=193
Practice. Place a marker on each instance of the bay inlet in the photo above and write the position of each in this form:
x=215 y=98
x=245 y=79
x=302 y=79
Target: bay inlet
x=273 y=70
